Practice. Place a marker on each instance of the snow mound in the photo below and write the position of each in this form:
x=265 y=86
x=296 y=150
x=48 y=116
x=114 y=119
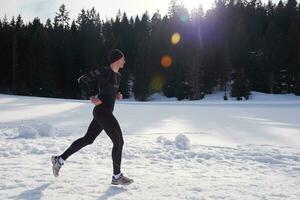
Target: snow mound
x=27 y=132
x=35 y=130
x=181 y=141
x=164 y=140
x=26 y=129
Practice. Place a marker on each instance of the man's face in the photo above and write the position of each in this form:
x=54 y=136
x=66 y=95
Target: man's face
x=121 y=62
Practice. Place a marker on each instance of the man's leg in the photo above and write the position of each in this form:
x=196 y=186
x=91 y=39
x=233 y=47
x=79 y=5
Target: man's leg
x=115 y=134
x=93 y=131
x=113 y=130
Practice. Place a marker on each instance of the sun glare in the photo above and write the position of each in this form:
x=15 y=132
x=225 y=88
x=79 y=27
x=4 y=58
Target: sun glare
x=166 y=61
x=175 y=38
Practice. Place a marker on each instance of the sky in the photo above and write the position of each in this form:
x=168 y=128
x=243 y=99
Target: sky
x=107 y=8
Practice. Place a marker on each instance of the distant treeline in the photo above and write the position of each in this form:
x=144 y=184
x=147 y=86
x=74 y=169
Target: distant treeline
x=237 y=46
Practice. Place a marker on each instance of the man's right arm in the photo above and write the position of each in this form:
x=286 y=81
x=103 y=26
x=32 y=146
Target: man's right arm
x=85 y=82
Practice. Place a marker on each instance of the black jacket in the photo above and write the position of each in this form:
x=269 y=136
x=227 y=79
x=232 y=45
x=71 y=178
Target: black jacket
x=101 y=82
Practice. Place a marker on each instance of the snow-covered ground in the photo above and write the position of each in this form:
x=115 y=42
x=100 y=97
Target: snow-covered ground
x=209 y=149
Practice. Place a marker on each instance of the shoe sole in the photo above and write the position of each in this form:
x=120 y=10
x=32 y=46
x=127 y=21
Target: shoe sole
x=53 y=169
x=122 y=184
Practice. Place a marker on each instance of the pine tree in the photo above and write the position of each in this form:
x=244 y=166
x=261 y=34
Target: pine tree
x=82 y=18
x=49 y=24
x=195 y=74
x=91 y=40
x=157 y=48
x=141 y=65
x=126 y=45
x=179 y=23
x=75 y=60
x=5 y=56
x=258 y=43
x=270 y=9
x=61 y=54
x=40 y=74
x=173 y=8
x=62 y=17
x=17 y=53
x=294 y=49
x=241 y=85
x=14 y=56
x=195 y=78
x=108 y=36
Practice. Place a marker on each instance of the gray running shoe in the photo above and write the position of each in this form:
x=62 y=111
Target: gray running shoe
x=122 y=180
x=56 y=165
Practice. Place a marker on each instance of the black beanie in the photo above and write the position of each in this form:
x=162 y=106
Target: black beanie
x=115 y=55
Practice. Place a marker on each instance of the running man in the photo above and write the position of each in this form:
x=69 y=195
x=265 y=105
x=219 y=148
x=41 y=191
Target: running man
x=106 y=80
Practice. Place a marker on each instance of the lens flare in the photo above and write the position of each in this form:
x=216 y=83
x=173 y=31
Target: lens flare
x=166 y=61
x=175 y=38
x=157 y=82
x=184 y=18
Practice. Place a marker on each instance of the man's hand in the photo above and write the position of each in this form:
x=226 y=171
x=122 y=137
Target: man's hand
x=119 y=96
x=95 y=100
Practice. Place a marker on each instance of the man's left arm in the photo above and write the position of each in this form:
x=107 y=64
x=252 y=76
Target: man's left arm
x=119 y=96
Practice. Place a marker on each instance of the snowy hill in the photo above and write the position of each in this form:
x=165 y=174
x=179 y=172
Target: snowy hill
x=209 y=149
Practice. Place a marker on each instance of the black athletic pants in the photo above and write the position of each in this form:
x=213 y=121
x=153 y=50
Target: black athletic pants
x=103 y=119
